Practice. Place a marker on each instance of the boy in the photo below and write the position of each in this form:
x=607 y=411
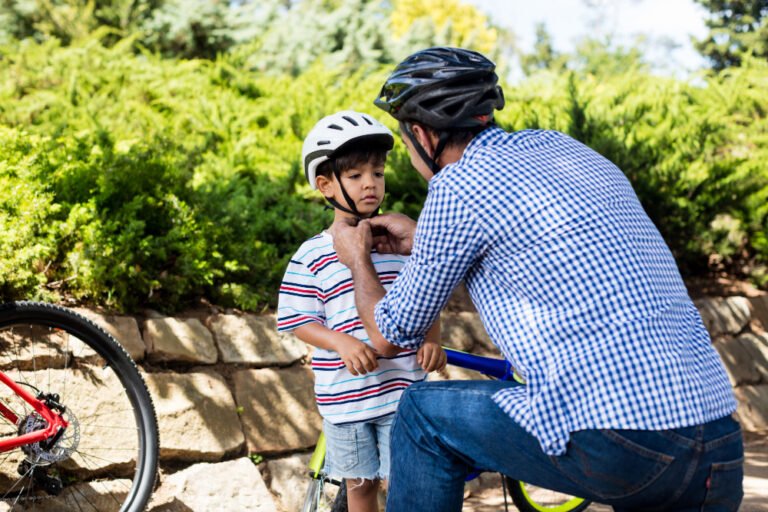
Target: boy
x=357 y=391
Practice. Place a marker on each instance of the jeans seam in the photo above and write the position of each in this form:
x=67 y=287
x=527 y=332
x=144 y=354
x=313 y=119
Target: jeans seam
x=634 y=490
x=729 y=465
x=638 y=449
x=716 y=443
x=690 y=472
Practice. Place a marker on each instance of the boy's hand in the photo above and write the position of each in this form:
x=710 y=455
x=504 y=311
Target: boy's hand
x=357 y=356
x=431 y=357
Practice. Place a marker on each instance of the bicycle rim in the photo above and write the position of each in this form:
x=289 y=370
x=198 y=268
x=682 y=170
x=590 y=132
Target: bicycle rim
x=107 y=458
x=530 y=498
x=325 y=497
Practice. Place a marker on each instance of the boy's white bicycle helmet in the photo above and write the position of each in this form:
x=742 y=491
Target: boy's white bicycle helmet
x=337 y=132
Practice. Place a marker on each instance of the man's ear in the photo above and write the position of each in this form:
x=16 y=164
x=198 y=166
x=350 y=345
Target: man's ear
x=426 y=137
x=324 y=185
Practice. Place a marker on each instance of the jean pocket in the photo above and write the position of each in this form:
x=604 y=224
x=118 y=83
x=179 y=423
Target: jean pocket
x=611 y=465
x=342 y=453
x=724 y=486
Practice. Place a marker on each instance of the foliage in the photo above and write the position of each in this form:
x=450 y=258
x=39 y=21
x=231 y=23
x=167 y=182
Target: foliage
x=268 y=35
x=181 y=28
x=67 y=20
x=149 y=182
x=735 y=27
x=592 y=56
x=140 y=180
x=453 y=22
x=544 y=55
x=691 y=153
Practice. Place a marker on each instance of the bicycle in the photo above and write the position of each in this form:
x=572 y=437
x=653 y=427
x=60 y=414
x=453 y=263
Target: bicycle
x=79 y=430
x=526 y=497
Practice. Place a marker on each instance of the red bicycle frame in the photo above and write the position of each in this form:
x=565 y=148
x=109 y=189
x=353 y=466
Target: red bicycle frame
x=55 y=421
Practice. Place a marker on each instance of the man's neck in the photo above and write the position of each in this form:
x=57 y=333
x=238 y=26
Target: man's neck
x=451 y=155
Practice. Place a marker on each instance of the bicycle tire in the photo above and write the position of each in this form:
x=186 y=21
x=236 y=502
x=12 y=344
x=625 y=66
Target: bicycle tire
x=340 y=504
x=107 y=460
x=528 y=498
x=319 y=498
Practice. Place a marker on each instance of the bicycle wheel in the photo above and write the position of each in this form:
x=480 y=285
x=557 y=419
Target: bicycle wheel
x=530 y=498
x=107 y=457
x=322 y=497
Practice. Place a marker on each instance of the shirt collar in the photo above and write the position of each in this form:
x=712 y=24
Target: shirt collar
x=487 y=137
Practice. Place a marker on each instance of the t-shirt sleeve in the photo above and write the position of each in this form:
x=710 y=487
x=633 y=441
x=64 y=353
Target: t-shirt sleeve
x=300 y=300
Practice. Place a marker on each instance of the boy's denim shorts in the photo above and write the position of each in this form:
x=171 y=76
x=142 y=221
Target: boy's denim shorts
x=358 y=450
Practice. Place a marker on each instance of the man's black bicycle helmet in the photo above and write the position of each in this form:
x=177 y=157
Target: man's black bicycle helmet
x=443 y=88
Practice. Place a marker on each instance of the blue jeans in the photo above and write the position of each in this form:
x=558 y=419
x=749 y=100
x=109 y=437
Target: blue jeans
x=443 y=430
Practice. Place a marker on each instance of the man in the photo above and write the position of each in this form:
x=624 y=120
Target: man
x=625 y=402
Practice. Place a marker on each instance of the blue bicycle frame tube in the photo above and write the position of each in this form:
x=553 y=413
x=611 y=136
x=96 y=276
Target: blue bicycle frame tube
x=499 y=368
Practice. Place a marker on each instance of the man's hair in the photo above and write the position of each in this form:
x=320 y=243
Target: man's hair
x=352 y=158
x=457 y=137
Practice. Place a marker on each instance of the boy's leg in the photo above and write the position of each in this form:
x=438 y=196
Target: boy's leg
x=383 y=437
x=352 y=454
x=362 y=495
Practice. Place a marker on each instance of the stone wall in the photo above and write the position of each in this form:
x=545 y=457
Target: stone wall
x=230 y=391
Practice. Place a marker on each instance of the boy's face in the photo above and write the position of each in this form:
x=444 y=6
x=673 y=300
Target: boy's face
x=364 y=184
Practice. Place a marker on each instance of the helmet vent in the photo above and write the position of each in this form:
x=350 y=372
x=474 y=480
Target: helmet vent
x=351 y=121
x=367 y=120
x=323 y=142
x=335 y=127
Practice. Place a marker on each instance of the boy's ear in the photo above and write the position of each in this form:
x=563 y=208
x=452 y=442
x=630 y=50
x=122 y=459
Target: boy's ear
x=324 y=185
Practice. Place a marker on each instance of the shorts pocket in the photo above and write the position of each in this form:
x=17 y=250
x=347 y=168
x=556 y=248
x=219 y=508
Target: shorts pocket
x=612 y=465
x=725 y=486
x=342 y=452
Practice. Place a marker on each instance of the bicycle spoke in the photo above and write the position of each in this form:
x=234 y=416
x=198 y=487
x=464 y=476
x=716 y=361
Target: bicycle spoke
x=107 y=455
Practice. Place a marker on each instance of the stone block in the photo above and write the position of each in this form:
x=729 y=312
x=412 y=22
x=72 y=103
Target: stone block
x=179 y=339
x=760 y=313
x=197 y=416
x=723 y=316
x=287 y=479
x=737 y=359
x=253 y=339
x=278 y=409
x=465 y=331
x=96 y=495
x=456 y=373
x=99 y=409
x=753 y=407
x=756 y=346
x=232 y=485
x=124 y=329
x=455 y=333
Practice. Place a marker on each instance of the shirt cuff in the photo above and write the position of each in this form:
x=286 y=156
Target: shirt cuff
x=390 y=329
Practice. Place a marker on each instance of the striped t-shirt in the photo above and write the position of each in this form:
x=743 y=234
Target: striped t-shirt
x=317 y=288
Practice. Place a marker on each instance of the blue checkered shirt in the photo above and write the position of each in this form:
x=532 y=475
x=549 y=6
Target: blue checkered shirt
x=572 y=281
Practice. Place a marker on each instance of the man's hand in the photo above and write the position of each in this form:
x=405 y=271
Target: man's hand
x=352 y=243
x=431 y=357
x=393 y=233
x=357 y=356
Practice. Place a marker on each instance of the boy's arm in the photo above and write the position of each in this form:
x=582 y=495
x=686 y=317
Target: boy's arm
x=431 y=355
x=358 y=357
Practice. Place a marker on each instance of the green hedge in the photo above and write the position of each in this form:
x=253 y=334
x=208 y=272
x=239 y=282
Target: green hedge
x=135 y=181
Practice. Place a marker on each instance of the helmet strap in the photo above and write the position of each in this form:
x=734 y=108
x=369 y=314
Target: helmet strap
x=430 y=161
x=351 y=209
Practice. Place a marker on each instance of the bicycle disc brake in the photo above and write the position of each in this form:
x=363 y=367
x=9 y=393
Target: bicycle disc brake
x=49 y=451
